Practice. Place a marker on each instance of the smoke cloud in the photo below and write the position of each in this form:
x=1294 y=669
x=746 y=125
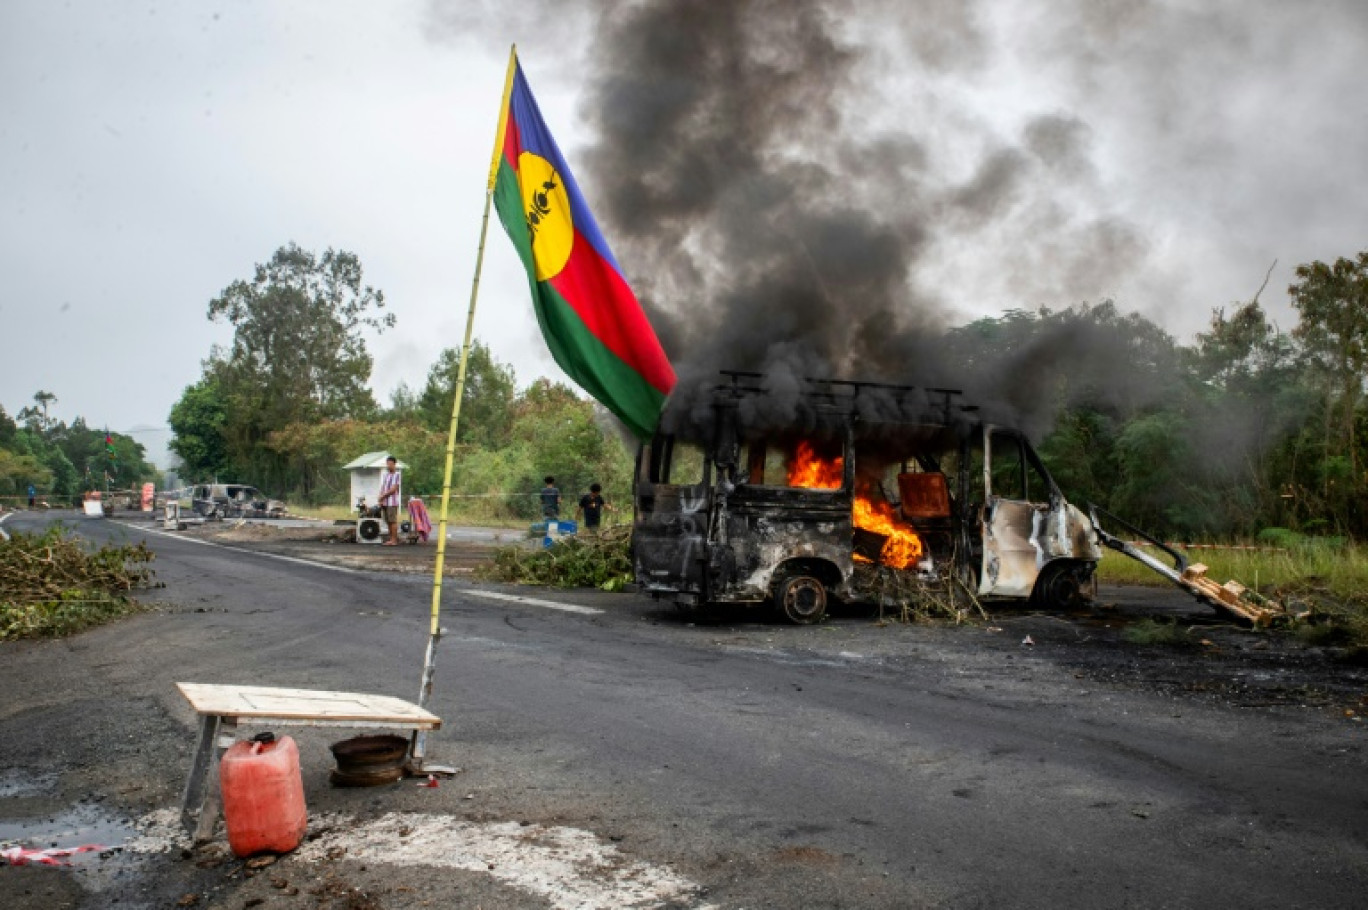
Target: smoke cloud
x=786 y=212
x=795 y=187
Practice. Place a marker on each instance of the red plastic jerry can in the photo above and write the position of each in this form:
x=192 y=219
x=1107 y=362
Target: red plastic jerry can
x=263 y=795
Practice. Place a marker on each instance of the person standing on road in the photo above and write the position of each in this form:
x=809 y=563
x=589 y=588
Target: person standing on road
x=592 y=505
x=33 y=496
x=389 y=499
x=550 y=500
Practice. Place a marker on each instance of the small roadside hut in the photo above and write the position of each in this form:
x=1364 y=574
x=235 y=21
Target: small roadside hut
x=365 y=477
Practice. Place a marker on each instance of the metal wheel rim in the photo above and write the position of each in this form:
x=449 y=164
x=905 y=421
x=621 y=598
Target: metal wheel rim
x=795 y=603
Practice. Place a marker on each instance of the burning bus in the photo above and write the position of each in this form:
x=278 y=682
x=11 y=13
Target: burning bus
x=854 y=486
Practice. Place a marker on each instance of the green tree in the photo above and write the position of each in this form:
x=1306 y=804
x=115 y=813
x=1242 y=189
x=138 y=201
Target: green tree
x=566 y=437
x=298 y=353
x=486 y=404
x=403 y=403
x=1035 y=364
x=66 y=480
x=83 y=445
x=315 y=453
x=1157 y=488
x=1248 y=394
x=197 y=420
x=18 y=471
x=1243 y=352
x=1081 y=454
x=36 y=416
x=1332 y=301
x=8 y=429
x=44 y=399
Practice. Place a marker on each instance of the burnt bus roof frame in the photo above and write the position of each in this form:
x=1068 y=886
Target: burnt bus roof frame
x=736 y=390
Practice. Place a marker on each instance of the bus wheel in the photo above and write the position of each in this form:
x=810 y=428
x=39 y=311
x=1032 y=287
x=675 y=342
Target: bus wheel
x=1064 y=586
x=803 y=599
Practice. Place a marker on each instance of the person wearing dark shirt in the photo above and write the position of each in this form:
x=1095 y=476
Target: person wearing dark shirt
x=592 y=506
x=550 y=500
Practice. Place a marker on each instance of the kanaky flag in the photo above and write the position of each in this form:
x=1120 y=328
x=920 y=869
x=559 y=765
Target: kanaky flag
x=592 y=322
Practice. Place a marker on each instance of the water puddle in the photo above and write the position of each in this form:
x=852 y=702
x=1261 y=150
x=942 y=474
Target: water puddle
x=78 y=826
x=17 y=782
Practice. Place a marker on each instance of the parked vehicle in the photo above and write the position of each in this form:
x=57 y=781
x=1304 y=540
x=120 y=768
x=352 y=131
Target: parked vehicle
x=853 y=502
x=233 y=500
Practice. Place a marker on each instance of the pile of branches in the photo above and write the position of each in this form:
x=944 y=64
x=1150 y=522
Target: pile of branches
x=907 y=597
x=583 y=561
x=52 y=585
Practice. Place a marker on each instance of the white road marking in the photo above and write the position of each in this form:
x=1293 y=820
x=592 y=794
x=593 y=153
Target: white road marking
x=569 y=868
x=532 y=601
x=492 y=595
x=223 y=546
x=4 y=535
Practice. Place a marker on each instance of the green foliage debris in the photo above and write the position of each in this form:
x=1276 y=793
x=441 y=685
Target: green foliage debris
x=52 y=585
x=583 y=561
x=1158 y=632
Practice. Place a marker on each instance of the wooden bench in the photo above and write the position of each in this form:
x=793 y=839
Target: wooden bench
x=223 y=708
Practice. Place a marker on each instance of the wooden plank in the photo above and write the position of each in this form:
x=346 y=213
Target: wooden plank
x=1230 y=597
x=1194 y=571
x=264 y=723
x=304 y=705
x=1203 y=586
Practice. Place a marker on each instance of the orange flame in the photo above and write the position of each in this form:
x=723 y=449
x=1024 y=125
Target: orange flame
x=806 y=470
x=902 y=548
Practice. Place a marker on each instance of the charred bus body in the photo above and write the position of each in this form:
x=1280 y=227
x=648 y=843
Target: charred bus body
x=859 y=483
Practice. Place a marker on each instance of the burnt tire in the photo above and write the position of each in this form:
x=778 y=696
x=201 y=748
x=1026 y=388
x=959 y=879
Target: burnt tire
x=1066 y=586
x=802 y=598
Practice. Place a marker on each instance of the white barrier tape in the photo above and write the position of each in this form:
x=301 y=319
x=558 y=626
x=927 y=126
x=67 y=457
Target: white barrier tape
x=1209 y=546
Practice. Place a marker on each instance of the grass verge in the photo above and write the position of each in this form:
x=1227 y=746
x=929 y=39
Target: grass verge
x=52 y=585
x=1342 y=569
x=1323 y=581
x=325 y=512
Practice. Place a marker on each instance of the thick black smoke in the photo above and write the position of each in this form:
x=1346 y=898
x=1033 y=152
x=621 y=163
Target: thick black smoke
x=777 y=223
x=789 y=183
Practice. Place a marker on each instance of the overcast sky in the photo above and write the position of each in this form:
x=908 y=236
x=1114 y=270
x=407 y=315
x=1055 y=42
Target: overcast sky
x=151 y=153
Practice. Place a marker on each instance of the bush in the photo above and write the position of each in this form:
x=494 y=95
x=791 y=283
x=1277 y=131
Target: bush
x=1281 y=537
x=1301 y=543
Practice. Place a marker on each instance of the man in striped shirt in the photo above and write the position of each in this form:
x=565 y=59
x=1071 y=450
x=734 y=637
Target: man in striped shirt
x=389 y=499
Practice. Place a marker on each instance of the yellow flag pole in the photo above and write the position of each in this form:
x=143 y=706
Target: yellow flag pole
x=419 y=745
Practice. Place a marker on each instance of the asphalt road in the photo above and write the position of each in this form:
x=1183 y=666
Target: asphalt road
x=846 y=765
